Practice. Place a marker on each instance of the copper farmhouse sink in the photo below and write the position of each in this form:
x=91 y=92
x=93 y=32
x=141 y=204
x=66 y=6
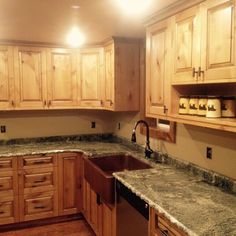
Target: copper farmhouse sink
x=98 y=172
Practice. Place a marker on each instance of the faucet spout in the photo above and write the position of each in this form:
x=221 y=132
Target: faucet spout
x=148 y=150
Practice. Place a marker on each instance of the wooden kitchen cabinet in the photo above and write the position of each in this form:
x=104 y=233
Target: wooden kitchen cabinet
x=90 y=77
x=204 y=39
x=9 y=212
x=70 y=183
x=62 y=78
x=159 y=225
x=38 y=186
x=158 y=44
x=30 y=78
x=7 y=98
x=121 y=74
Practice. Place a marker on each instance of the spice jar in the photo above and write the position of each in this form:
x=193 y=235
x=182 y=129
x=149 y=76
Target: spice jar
x=183 y=104
x=202 y=106
x=193 y=105
x=213 y=107
x=228 y=106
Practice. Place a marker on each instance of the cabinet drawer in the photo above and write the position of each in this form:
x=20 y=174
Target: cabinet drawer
x=8 y=164
x=39 y=205
x=6 y=183
x=8 y=209
x=37 y=161
x=37 y=180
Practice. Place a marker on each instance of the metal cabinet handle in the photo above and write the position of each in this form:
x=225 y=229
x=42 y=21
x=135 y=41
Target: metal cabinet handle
x=39 y=207
x=40 y=181
x=165 y=109
x=194 y=72
x=49 y=103
x=45 y=103
x=12 y=103
x=200 y=71
x=40 y=162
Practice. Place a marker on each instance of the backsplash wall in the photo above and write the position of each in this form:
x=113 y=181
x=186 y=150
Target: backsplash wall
x=190 y=146
x=24 y=124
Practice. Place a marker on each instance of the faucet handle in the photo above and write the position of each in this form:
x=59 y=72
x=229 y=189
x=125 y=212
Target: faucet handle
x=148 y=152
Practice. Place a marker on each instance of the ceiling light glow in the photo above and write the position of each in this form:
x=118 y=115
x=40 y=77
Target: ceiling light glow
x=134 y=7
x=75 y=38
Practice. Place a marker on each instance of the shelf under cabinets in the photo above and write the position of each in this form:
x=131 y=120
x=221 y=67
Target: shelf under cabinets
x=225 y=124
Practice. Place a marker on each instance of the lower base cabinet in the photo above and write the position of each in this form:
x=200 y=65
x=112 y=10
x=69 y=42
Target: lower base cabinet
x=159 y=225
x=40 y=186
x=99 y=215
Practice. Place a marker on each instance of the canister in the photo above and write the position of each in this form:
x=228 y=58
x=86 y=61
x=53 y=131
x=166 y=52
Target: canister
x=183 y=105
x=202 y=105
x=213 y=107
x=193 y=105
x=228 y=106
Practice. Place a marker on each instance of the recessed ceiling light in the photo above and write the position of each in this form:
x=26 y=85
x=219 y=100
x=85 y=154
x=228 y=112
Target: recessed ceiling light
x=75 y=6
x=75 y=38
x=134 y=7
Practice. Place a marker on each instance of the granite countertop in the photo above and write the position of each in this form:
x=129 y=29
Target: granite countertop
x=186 y=200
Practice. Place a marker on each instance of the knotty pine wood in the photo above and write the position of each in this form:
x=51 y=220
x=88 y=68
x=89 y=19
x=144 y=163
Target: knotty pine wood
x=6 y=78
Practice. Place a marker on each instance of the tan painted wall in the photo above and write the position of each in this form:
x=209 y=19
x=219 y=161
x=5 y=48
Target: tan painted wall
x=191 y=143
x=22 y=124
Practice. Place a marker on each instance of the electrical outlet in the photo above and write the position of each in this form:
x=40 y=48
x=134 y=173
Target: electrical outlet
x=119 y=125
x=209 y=153
x=3 y=128
x=93 y=124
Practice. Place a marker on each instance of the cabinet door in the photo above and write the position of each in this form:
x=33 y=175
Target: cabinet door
x=109 y=76
x=62 y=75
x=108 y=220
x=186 y=40
x=157 y=63
x=90 y=64
x=70 y=186
x=6 y=78
x=30 y=77
x=218 y=37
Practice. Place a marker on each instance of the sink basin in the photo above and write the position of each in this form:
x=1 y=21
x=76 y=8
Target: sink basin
x=98 y=172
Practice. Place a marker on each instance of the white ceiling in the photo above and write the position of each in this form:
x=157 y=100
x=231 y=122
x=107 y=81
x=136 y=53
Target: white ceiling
x=50 y=20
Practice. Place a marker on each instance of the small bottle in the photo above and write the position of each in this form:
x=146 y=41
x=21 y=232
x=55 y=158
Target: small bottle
x=183 y=105
x=213 y=107
x=193 y=105
x=202 y=105
x=228 y=106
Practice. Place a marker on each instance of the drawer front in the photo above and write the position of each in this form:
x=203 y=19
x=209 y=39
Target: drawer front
x=6 y=183
x=9 y=163
x=37 y=180
x=37 y=161
x=9 y=212
x=39 y=205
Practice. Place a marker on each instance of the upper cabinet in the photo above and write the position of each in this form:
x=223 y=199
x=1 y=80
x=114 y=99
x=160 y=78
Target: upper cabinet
x=62 y=78
x=204 y=44
x=121 y=74
x=6 y=78
x=90 y=77
x=157 y=69
x=30 y=78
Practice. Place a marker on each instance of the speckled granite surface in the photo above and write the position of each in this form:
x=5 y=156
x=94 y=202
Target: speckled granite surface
x=195 y=206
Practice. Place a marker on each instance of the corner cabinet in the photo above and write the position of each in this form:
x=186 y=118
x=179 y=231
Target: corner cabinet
x=191 y=52
x=158 y=46
x=121 y=74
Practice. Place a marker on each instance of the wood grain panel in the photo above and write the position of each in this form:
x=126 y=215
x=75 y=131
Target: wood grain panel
x=6 y=78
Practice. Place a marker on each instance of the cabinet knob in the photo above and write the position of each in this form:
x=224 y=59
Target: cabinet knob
x=12 y=103
x=165 y=109
x=45 y=103
x=49 y=103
